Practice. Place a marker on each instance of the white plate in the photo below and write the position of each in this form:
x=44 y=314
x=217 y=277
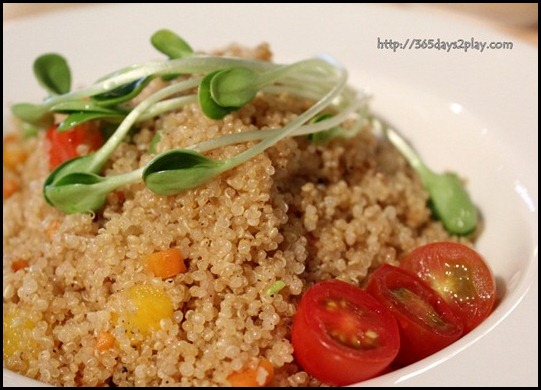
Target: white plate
x=472 y=112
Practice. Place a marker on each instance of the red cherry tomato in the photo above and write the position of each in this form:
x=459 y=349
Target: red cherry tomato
x=427 y=324
x=64 y=145
x=460 y=275
x=342 y=335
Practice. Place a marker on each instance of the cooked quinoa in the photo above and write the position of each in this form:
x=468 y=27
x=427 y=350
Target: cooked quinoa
x=297 y=213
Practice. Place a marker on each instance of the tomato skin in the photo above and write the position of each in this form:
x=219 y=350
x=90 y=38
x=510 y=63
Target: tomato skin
x=421 y=334
x=334 y=362
x=460 y=275
x=63 y=145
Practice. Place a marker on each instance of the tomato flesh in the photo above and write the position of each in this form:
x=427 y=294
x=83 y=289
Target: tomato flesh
x=418 y=307
x=342 y=335
x=460 y=275
x=64 y=145
x=427 y=324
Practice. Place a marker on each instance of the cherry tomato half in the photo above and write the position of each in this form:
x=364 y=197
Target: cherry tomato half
x=460 y=275
x=342 y=335
x=427 y=324
x=64 y=145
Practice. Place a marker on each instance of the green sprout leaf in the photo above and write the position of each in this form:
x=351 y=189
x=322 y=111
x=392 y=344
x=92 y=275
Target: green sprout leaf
x=80 y=111
x=83 y=192
x=77 y=192
x=53 y=73
x=178 y=170
x=170 y=44
x=322 y=137
x=449 y=199
x=123 y=93
x=34 y=114
x=73 y=106
x=450 y=202
x=77 y=164
x=76 y=119
x=154 y=142
x=209 y=107
x=234 y=87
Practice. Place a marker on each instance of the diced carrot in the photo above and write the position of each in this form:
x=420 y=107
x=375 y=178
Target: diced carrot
x=261 y=376
x=13 y=152
x=19 y=264
x=117 y=197
x=9 y=187
x=105 y=341
x=52 y=228
x=166 y=263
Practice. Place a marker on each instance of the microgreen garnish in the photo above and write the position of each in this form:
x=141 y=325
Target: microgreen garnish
x=323 y=137
x=234 y=87
x=154 y=142
x=81 y=117
x=208 y=105
x=34 y=114
x=275 y=288
x=80 y=111
x=219 y=85
x=170 y=44
x=53 y=73
x=77 y=192
x=177 y=170
x=81 y=192
x=123 y=93
x=448 y=196
x=173 y=46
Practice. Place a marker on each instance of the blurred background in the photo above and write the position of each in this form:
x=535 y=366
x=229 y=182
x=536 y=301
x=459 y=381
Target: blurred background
x=519 y=20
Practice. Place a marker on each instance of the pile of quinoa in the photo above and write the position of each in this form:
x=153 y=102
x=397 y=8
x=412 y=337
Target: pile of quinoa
x=297 y=213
